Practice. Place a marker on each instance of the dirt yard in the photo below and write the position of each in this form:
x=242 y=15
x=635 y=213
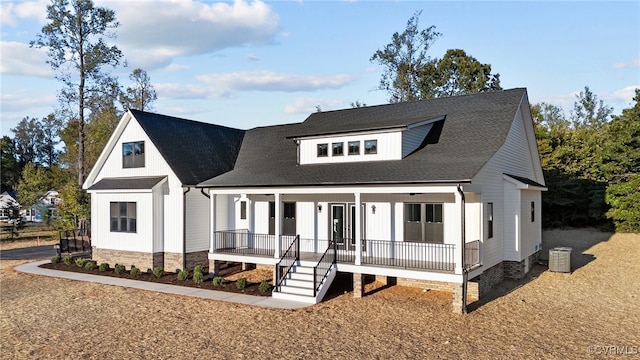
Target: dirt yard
x=548 y=315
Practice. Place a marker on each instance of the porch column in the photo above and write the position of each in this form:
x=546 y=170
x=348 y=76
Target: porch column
x=457 y=253
x=278 y=224
x=358 y=225
x=212 y=222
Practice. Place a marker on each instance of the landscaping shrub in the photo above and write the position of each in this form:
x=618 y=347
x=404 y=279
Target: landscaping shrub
x=158 y=271
x=119 y=269
x=67 y=259
x=183 y=275
x=198 y=268
x=218 y=281
x=135 y=272
x=103 y=267
x=90 y=265
x=264 y=286
x=80 y=262
x=55 y=259
x=241 y=283
x=198 y=277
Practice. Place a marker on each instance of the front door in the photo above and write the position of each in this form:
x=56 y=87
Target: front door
x=343 y=225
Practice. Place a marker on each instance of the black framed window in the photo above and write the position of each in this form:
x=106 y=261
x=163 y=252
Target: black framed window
x=489 y=220
x=243 y=210
x=354 y=147
x=133 y=154
x=337 y=149
x=371 y=146
x=323 y=150
x=533 y=211
x=289 y=218
x=423 y=222
x=123 y=217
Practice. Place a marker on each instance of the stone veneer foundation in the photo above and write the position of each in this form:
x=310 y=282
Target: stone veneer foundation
x=147 y=261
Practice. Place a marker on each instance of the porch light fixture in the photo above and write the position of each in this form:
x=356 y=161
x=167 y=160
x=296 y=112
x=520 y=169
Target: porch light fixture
x=373 y=209
x=319 y=208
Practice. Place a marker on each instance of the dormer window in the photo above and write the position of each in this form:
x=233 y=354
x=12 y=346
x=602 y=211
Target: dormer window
x=354 y=147
x=133 y=154
x=337 y=149
x=323 y=150
x=371 y=146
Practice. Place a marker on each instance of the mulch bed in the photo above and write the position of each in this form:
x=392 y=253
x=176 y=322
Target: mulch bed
x=171 y=278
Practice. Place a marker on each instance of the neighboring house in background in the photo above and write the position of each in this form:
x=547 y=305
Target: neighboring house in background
x=49 y=202
x=440 y=193
x=8 y=202
x=145 y=209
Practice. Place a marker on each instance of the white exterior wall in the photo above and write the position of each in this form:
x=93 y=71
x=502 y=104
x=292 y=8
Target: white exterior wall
x=512 y=222
x=197 y=216
x=103 y=238
x=155 y=165
x=389 y=148
x=531 y=232
x=158 y=212
x=473 y=217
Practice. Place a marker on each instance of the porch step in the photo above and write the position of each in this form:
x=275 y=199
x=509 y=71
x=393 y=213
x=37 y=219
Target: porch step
x=299 y=285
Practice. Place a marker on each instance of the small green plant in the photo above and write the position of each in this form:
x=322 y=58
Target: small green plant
x=90 y=265
x=67 y=259
x=198 y=268
x=218 y=281
x=55 y=259
x=135 y=272
x=80 y=262
x=264 y=286
x=119 y=269
x=198 y=277
x=183 y=275
x=241 y=283
x=103 y=267
x=158 y=271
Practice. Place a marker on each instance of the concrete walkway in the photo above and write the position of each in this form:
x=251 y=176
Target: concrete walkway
x=33 y=268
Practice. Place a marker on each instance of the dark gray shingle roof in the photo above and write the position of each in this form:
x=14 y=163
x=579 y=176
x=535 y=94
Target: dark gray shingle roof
x=130 y=183
x=195 y=151
x=475 y=127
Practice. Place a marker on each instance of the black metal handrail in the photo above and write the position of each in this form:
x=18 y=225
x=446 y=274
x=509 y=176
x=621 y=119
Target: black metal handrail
x=410 y=255
x=323 y=267
x=288 y=260
x=472 y=254
x=244 y=242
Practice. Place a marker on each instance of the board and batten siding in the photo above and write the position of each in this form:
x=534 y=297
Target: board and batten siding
x=531 y=231
x=197 y=225
x=413 y=138
x=512 y=221
x=155 y=165
x=388 y=148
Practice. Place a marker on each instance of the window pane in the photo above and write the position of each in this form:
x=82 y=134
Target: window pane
x=533 y=211
x=114 y=224
x=412 y=213
x=337 y=149
x=132 y=225
x=138 y=148
x=354 y=147
x=131 y=210
x=289 y=210
x=371 y=147
x=243 y=210
x=127 y=149
x=429 y=209
x=123 y=224
x=123 y=209
x=323 y=150
x=437 y=213
x=114 y=209
x=272 y=209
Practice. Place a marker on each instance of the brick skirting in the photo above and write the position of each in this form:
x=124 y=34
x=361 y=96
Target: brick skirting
x=147 y=261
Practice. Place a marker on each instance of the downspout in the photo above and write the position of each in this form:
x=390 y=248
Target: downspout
x=464 y=240
x=184 y=228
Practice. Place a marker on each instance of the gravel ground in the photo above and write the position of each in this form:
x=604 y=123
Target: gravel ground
x=548 y=315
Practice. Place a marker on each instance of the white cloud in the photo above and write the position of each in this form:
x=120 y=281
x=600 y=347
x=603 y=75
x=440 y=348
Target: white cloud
x=180 y=91
x=23 y=60
x=22 y=102
x=252 y=57
x=634 y=63
x=623 y=96
x=176 y=67
x=10 y=12
x=307 y=105
x=154 y=32
x=272 y=81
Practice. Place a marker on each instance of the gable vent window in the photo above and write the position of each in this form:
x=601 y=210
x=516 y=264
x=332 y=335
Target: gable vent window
x=323 y=150
x=337 y=149
x=371 y=147
x=354 y=147
x=133 y=154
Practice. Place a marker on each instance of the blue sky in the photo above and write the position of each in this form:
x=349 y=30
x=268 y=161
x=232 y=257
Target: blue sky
x=250 y=63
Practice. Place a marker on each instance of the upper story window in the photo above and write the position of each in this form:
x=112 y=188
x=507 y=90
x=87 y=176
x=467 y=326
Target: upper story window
x=133 y=154
x=337 y=149
x=323 y=150
x=354 y=147
x=371 y=146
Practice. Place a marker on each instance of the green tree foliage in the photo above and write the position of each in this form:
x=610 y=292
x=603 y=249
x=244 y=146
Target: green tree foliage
x=404 y=58
x=140 y=94
x=25 y=138
x=9 y=167
x=34 y=182
x=456 y=73
x=624 y=199
x=75 y=40
x=75 y=207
